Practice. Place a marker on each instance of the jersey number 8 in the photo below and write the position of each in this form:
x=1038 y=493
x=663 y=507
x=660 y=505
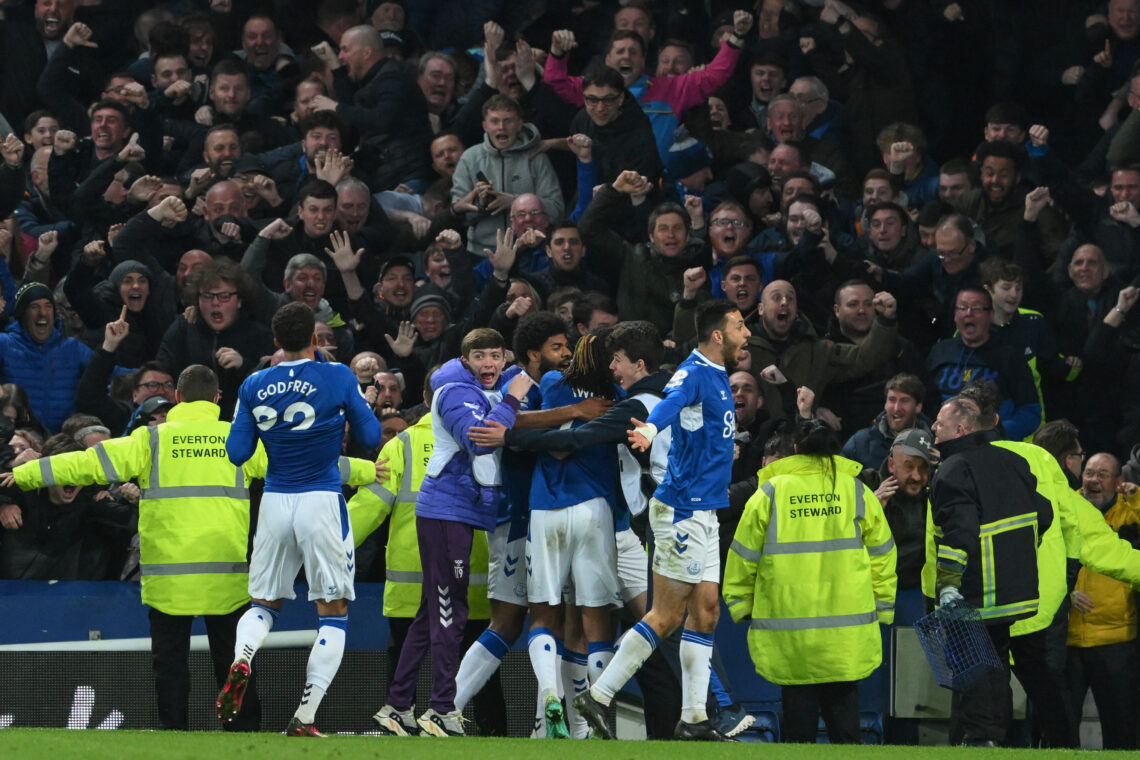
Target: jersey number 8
x=267 y=416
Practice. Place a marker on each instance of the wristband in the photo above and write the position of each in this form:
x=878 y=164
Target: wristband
x=649 y=432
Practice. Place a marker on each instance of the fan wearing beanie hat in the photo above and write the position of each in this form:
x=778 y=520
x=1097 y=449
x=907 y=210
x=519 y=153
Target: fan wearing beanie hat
x=688 y=164
x=44 y=319
x=431 y=312
x=35 y=355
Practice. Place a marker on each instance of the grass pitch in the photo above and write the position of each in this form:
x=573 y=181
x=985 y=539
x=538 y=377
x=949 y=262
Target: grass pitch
x=61 y=744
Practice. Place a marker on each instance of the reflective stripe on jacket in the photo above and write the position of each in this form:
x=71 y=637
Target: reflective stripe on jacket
x=407 y=456
x=194 y=509
x=813 y=566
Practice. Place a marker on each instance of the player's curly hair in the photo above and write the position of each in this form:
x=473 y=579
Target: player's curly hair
x=293 y=326
x=589 y=368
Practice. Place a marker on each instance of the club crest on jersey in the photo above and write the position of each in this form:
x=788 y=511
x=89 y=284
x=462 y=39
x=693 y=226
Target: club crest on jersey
x=678 y=378
x=694 y=568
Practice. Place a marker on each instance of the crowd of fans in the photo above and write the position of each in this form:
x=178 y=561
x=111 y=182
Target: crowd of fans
x=412 y=170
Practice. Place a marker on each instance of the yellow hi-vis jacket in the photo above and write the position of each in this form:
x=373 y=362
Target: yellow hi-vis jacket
x=407 y=456
x=1113 y=619
x=1083 y=533
x=194 y=510
x=1060 y=542
x=813 y=565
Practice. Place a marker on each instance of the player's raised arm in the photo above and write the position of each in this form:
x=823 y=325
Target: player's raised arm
x=242 y=440
x=363 y=425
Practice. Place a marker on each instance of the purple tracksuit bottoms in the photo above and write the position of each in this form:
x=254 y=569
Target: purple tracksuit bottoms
x=445 y=553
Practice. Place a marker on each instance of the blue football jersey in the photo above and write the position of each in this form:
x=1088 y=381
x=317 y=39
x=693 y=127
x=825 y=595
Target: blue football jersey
x=698 y=405
x=590 y=472
x=298 y=410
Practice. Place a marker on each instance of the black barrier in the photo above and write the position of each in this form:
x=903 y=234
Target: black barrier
x=106 y=689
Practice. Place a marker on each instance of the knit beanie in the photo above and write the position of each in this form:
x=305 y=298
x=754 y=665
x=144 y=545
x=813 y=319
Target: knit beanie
x=686 y=156
x=119 y=273
x=431 y=295
x=33 y=291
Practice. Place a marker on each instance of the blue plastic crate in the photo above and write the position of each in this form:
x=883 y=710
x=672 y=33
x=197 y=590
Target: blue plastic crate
x=957 y=646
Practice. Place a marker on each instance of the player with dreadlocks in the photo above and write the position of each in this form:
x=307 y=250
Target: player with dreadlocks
x=571 y=535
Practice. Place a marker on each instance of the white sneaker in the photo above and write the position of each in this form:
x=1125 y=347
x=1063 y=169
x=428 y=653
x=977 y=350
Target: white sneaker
x=441 y=724
x=395 y=722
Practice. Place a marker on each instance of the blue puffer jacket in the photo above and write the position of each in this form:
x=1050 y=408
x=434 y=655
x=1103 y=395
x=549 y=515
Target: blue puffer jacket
x=49 y=372
x=461 y=403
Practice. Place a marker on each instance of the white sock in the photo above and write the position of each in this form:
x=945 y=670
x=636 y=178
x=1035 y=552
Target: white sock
x=252 y=628
x=635 y=650
x=696 y=652
x=478 y=665
x=601 y=653
x=324 y=661
x=544 y=659
x=574 y=673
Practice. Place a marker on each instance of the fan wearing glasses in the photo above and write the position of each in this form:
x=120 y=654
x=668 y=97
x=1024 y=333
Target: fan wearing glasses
x=975 y=353
x=221 y=336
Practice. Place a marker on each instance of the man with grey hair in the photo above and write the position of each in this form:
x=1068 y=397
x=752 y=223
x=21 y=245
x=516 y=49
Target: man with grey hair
x=435 y=76
x=787 y=122
x=358 y=213
x=91 y=435
x=979 y=490
x=823 y=119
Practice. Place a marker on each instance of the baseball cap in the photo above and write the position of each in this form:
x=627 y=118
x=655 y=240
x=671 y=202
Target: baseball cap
x=915 y=443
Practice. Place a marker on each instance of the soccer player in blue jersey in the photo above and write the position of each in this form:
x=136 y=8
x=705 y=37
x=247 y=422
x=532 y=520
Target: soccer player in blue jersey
x=298 y=409
x=571 y=537
x=699 y=409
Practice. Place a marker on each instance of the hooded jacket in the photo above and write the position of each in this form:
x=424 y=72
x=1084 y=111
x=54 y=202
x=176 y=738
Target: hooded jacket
x=48 y=371
x=510 y=171
x=627 y=142
x=454 y=493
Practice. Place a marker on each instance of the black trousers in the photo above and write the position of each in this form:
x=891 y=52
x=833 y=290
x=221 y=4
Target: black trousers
x=490 y=703
x=170 y=652
x=1110 y=671
x=838 y=703
x=983 y=712
x=1039 y=664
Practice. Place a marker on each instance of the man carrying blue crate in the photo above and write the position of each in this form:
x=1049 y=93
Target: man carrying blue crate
x=988 y=518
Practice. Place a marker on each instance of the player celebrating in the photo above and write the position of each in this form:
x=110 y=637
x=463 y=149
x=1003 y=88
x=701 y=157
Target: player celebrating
x=686 y=563
x=298 y=409
x=571 y=537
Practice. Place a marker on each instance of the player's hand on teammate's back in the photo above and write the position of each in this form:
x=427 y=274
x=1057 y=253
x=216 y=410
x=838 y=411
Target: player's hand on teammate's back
x=492 y=436
x=591 y=408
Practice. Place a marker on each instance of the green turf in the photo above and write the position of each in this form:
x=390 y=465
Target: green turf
x=61 y=744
